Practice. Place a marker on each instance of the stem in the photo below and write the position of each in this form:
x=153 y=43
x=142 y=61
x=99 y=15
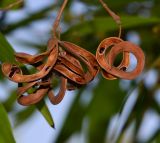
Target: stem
x=58 y=18
x=12 y=5
x=120 y=31
x=115 y=17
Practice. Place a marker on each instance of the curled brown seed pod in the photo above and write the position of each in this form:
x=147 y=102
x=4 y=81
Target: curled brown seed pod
x=35 y=97
x=44 y=87
x=104 y=49
x=83 y=56
x=31 y=59
x=70 y=62
x=58 y=98
x=8 y=69
x=123 y=46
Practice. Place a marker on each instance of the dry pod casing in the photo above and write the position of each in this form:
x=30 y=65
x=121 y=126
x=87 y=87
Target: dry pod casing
x=106 y=60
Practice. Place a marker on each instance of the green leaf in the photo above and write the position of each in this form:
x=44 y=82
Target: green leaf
x=24 y=115
x=106 y=24
x=7 y=55
x=6 y=51
x=10 y=4
x=106 y=102
x=10 y=101
x=42 y=107
x=77 y=111
x=6 y=135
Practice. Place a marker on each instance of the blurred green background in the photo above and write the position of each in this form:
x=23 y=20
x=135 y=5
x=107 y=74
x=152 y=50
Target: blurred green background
x=104 y=111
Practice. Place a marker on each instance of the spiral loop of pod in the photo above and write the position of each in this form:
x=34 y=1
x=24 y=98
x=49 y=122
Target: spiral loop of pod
x=106 y=60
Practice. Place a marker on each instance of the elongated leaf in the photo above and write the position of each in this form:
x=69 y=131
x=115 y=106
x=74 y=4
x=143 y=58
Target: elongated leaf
x=111 y=3
x=11 y=4
x=7 y=55
x=6 y=135
x=42 y=107
x=6 y=51
x=107 y=100
x=106 y=24
x=24 y=115
x=9 y=102
x=76 y=112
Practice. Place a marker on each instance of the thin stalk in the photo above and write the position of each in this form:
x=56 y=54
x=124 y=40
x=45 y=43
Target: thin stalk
x=115 y=17
x=58 y=18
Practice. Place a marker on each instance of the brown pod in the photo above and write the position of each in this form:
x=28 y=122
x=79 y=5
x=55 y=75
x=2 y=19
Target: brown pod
x=20 y=78
x=70 y=62
x=59 y=97
x=124 y=46
x=31 y=59
x=83 y=56
x=102 y=56
x=38 y=95
x=43 y=89
x=35 y=97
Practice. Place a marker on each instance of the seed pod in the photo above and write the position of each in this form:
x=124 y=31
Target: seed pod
x=103 y=52
x=123 y=46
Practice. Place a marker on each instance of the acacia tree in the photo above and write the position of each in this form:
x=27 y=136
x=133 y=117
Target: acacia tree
x=87 y=29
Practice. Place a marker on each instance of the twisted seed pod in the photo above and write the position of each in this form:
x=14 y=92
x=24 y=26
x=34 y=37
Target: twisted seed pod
x=70 y=62
x=123 y=46
x=85 y=57
x=31 y=59
x=7 y=68
x=58 y=98
x=43 y=89
x=35 y=97
x=103 y=51
x=64 y=59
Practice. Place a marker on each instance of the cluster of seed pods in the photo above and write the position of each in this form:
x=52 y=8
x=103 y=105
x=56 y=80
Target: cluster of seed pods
x=64 y=59
x=74 y=65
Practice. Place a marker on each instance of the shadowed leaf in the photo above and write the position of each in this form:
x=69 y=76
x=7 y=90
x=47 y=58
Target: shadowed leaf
x=42 y=107
x=6 y=135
